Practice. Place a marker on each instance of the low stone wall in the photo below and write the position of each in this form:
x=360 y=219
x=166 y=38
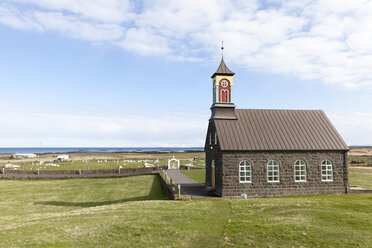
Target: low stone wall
x=359 y=191
x=184 y=167
x=65 y=174
x=166 y=188
x=368 y=164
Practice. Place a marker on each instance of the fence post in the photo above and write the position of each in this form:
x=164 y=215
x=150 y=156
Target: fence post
x=38 y=171
x=179 y=191
x=79 y=171
x=3 y=171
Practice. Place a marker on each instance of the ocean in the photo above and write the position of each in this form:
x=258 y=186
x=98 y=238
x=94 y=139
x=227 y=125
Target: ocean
x=12 y=150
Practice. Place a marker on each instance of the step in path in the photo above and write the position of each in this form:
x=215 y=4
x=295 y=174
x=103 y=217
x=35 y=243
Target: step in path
x=189 y=186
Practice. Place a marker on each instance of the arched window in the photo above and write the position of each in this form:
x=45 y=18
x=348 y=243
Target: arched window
x=215 y=138
x=327 y=170
x=272 y=171
x=300 y=171
x=245 y=172
x=224 y=90
x=225 y=95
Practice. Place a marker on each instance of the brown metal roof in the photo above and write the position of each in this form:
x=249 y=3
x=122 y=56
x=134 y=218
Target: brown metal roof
x=261 y=129
x=223 y=70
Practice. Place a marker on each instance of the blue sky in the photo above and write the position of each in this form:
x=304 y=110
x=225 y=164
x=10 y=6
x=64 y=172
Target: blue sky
x=137 y=73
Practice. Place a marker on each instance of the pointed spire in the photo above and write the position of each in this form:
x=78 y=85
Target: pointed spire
x=222 y=49
x=223 y=69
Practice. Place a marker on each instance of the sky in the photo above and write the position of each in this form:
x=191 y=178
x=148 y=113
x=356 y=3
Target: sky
x=123 y=73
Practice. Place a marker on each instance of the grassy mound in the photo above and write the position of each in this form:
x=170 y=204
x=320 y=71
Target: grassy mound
x=134 y=212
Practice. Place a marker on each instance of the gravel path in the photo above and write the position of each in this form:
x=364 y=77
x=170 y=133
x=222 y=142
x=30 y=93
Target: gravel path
x=190 y=187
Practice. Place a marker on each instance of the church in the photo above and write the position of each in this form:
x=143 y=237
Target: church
x=264 y=152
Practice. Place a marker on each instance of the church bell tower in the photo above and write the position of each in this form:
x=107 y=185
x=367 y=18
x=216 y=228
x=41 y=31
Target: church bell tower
x=223 y=106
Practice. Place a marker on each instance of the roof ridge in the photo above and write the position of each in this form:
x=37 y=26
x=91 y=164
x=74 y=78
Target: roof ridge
x=284 y=109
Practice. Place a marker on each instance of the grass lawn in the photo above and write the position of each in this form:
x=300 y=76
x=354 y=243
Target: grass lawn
x=134 y=212
x=361 y=177
x=117 y=212
x=197 y=175
x=301 y=221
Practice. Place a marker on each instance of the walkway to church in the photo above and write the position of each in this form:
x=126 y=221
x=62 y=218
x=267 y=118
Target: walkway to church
x=188 y=186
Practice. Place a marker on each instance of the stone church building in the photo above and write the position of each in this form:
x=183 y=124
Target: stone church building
x=262 y=152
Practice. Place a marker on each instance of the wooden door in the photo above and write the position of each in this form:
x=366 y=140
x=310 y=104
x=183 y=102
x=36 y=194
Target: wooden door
x=213 y=175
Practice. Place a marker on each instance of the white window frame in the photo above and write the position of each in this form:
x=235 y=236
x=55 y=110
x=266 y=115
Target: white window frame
x=215 y=138
x=326 y=168
x=300 y=167
x=224 y=85
x=245 y=171
x=271 y=169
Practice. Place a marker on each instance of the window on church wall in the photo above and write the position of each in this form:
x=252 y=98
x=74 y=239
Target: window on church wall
x=327 y=170
x=272 y=171
x=215 y=139
x=300 y=171
x=210 y=138
x=245 y=172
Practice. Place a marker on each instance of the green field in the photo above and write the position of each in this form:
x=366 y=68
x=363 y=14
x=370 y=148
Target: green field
x=97 y=161
x=361 y=177
x=94 y=165
x=197 y=175
x=134 y=212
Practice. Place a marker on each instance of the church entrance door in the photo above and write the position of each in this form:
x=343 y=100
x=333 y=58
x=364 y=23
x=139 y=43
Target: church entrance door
x=213 y=175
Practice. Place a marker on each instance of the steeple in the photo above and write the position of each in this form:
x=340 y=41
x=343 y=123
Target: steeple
x=223 y=70
x=223 y=106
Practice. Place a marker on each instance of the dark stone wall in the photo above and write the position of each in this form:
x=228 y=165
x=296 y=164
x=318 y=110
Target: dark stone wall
x=213 y=152
x=231 y=187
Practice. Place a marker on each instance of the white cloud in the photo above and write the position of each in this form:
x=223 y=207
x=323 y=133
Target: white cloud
x=355 y=128
x=108 y=11
x=11 y=17
x=28 y=129
x=325 y=40
x=76 y=28
x=145 y=42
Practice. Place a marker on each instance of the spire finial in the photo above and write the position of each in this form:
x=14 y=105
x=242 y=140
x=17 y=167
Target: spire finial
x=222 y=48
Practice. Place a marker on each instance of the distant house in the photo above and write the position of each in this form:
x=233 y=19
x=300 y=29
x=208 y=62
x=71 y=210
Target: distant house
x=24 y=155
x=63 y=157
x=260 y=152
